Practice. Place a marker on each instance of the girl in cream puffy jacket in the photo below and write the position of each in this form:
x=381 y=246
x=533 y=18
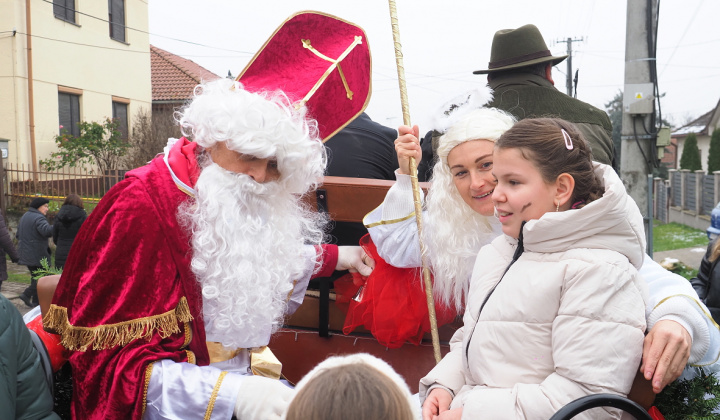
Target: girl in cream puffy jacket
x=555 y=309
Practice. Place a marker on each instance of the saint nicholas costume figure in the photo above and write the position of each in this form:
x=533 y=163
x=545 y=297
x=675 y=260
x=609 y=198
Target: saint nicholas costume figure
x=179 y=277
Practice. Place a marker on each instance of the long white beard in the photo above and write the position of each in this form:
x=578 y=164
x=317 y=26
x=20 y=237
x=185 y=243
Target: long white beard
x=247 y=241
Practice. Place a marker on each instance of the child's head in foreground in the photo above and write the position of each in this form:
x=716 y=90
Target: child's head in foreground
x=354 y=387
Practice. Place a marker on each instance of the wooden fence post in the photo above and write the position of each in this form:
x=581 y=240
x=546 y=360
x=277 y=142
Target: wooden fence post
x=698 y=192
x=3 y=203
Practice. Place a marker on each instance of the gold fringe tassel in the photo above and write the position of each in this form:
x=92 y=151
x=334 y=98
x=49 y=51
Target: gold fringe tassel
x=104 y=337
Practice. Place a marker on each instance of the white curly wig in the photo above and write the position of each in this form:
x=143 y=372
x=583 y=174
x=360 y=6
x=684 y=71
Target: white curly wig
x=262 y=124
x=455 y=232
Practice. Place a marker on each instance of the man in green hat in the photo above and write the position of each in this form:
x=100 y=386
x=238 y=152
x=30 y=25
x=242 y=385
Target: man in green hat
x=520 y=76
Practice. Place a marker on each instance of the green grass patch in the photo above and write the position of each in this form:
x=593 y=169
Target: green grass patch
x=685 y=271
x=675 y=236
x=19 y=278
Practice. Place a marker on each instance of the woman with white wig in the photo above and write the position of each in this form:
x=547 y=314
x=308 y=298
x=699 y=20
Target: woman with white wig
x=461 y=196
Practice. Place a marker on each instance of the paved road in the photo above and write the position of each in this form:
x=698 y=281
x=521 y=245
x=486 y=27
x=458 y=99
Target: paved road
x=691 y=257
x=11 y=290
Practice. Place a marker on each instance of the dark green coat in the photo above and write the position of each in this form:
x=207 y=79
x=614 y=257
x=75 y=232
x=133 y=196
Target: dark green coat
x=531 y=96
x=24 y=393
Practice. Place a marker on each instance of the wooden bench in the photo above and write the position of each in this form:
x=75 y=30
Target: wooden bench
x=314 y=331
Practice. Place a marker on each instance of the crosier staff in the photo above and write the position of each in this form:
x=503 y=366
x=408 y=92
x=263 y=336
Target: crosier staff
x=415 y=186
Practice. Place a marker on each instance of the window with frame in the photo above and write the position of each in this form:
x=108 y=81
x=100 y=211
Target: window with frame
x=120 y=114
x=69 y=113
x=64 y=9
x=116 y=9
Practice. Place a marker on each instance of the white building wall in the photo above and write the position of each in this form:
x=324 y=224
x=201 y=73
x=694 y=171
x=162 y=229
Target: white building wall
x=79 y=56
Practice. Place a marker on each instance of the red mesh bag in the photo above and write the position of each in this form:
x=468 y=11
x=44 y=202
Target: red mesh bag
x=392 y=304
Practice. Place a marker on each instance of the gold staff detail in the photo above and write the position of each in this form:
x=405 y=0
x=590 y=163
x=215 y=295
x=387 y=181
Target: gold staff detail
x=415 y=186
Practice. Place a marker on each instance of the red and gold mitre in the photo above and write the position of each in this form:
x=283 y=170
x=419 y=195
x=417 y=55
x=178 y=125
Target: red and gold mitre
x=319 y=61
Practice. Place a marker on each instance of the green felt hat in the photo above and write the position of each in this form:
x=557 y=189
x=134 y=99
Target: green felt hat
x=521 y=47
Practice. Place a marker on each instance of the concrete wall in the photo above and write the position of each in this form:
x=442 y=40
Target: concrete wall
x=690 y=203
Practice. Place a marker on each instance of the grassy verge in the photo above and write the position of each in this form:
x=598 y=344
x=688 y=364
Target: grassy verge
x=675 y=236
x=21 y=275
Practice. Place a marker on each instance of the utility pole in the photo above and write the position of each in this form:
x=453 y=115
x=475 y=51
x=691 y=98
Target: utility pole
x=638 y=154
x=568 y=79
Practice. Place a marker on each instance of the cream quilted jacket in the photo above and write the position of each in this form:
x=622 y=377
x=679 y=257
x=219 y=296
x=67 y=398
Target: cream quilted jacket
x=566 y=320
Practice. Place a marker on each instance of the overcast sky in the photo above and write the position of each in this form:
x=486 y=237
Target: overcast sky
x=444 y=41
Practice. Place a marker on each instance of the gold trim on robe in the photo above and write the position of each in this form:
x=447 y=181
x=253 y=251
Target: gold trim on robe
x=213 y=397
x=107 y=336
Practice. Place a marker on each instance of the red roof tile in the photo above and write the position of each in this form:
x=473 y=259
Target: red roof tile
x=173 y=77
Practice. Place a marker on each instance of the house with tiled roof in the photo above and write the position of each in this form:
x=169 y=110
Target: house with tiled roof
x=703 y=128
x=66 y=62
x=174 y=78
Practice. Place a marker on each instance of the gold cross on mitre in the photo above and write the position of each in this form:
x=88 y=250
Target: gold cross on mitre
x=333 y=64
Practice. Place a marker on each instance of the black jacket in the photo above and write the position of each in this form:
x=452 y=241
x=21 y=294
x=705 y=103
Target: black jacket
x=67 y=224
x=707 y=283
x=363 y=149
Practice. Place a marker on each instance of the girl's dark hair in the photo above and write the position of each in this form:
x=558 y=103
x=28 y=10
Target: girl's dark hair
x=350 y=392
x=75 y=200
x=541 y=141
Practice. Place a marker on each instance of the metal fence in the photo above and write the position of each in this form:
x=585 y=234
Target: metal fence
x=20 y=184
x=690 y=191
x=693 y=195
x=662 y=190
x=708 y=194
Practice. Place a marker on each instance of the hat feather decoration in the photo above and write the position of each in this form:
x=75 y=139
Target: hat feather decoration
x=456 y=108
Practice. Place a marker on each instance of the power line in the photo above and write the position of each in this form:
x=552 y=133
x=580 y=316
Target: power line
x=687 y=28
x=153 y=34
x=84 y=45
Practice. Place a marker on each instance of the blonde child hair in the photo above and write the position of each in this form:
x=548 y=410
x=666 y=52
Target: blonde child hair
x=354 y=387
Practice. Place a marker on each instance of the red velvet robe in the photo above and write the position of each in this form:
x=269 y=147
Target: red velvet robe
x=127 y=294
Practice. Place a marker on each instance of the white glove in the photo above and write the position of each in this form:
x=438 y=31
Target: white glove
x=353 y=258
x=262 y=399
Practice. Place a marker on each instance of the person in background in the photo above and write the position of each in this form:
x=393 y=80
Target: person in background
x=24 y=392
x=707 y=281
x=353 y=387
x=6 y=247
x=32 y=234
x=363 y=149
x=67 y=224
x=519 y=74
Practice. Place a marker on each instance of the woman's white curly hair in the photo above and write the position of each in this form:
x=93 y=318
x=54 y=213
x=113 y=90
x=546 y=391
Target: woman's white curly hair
x=455 y=232
x=261 y=124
